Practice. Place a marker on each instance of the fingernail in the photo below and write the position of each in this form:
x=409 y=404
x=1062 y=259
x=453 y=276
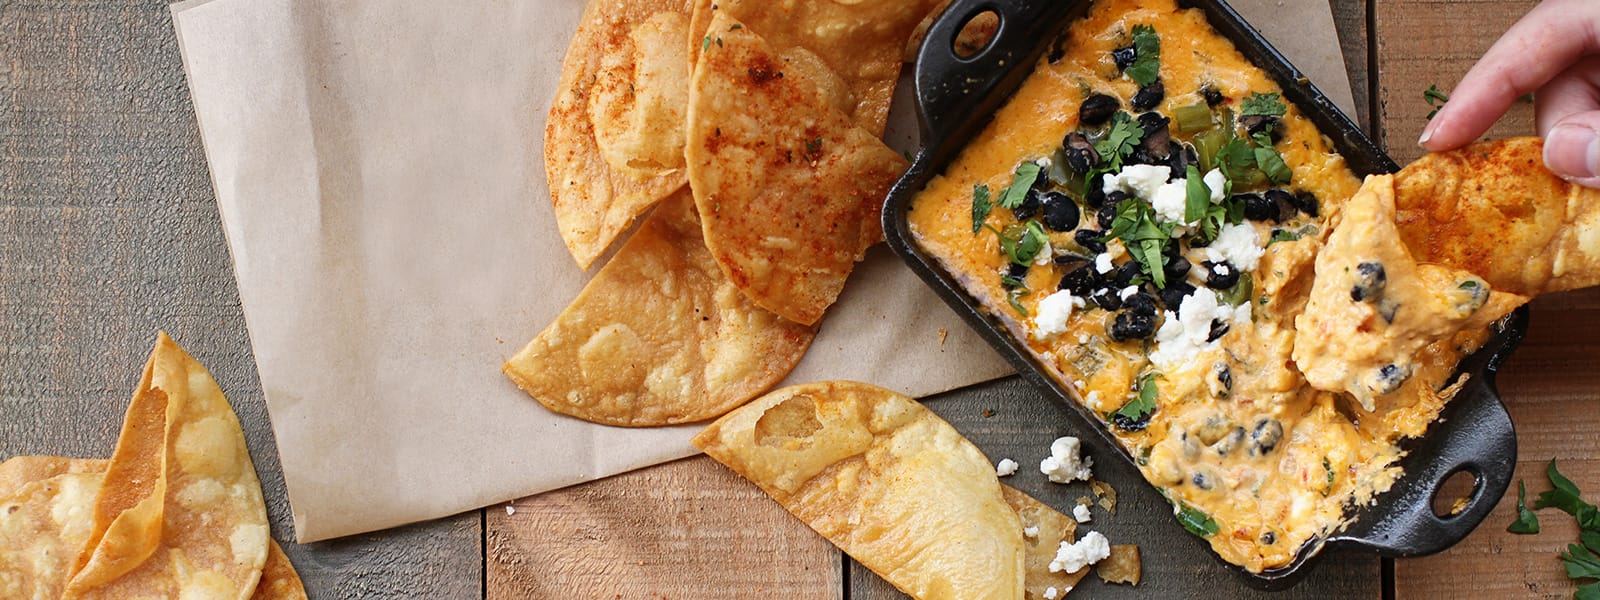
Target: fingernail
x=1573 y=151
x=1427 y=132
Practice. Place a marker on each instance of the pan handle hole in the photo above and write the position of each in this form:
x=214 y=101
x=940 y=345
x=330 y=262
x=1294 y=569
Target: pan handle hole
x=976 y=34
x=1457 y=491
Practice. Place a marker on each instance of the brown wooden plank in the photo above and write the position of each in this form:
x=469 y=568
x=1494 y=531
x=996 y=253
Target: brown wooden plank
x=1552 y=388
x=1434 y=42
x=685 y=529
x=1176 y=564
x=109 y=232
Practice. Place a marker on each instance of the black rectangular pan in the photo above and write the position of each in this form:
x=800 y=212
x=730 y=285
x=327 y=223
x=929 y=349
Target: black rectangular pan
x=957 y=96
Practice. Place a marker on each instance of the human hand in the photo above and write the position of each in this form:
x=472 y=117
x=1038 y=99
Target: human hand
x=1554 y=53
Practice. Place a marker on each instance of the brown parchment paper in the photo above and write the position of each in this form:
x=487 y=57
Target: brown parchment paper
x=377 y=168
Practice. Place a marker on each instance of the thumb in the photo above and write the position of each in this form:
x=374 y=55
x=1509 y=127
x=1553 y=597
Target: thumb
x=1572 y=148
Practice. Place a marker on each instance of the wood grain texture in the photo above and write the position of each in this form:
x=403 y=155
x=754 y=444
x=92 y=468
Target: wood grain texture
x=1434 y=42
x=1176 y=564
x=685 y=529
x=1552 y=387
x=108 y=233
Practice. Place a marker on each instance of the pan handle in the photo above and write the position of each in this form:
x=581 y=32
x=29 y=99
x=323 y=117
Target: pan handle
x=1476 y=437
x=951 y=88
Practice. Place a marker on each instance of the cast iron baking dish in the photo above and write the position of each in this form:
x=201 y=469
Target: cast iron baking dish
x=956 y=97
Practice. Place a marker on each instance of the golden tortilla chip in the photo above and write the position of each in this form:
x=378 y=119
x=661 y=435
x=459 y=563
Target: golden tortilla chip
x=861 y=41
x=659 y=336
x=614 y=139
x=884 y=479
x=972 y=38
x=1493 y=209
x=1373 y=309
x=200 y=528
x=788 y=189
x=1053 y=528
x=279 y=581
x=44 y=522
x=1122 y=566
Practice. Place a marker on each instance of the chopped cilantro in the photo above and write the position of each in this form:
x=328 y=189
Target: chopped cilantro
x=1144 y=404
x=1119 y=142
x=1262 y=104
x=1199 y=196
x=1327 y=467
x=705 y=43
x=1564 y=496
x=735 y=27
x=1196 y=522
x=1283 y=235
x=1581 y=563
x=1014 y=298
x=1136 y=226
x=1011 y=281
x=1146 y=65
x=1235 y=158
x=1020 y=243
x=1021 y=182
x=1270 y=162
x=981 y=205
x=1526 y=522
x=1432 y=95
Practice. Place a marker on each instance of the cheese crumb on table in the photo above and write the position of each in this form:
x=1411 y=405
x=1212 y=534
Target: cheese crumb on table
x=1064 y=464
x=1081 y=513
x=1073 y=556
x=1005 y=467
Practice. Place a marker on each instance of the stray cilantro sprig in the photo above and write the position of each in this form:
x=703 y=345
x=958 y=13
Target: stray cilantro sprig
x=1269 y=161
x=1262 y=104
x=1118 y=143
x=1435 y=99
x=1580 y=560
x=981 y=205
x=1146 y=67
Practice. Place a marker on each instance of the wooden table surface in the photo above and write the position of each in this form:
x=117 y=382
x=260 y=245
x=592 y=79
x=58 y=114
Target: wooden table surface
x=109 y=232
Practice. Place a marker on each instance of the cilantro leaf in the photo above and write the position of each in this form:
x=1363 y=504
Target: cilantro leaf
x=1119 y=142
x=1144 y=404
x=981 y=205
x=1199 y=196
x=1283 y=235
x=1526 y=522
x=1590 y=539
x=1432 y=95
x=1580 y=563
x=1235 y=158
x=1195 y=521
x=1143 y=236
x=1021 y=243
x=1270 y=162
x=1589 y=591
x=1146 y=65
x=1011 y=281
x=1564 y=496
x=1014 y=297
x=1021 y=182
x=1262 y=104
x=1328 y=467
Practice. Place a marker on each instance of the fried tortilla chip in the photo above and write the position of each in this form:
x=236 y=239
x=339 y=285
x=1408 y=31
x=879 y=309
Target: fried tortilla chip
x=659 y=336
x=199 y=529
x=1053 y=528
x=1494 y=210
x=614 y=139
x=884 y=479
x=279 y=581
x=789 y=191
x=44 y=521
x=1373 y=308
x=861 y=41
x=1123 y=566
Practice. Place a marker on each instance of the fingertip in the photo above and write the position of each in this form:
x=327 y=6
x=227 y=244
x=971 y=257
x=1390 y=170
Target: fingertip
x=1572 y=151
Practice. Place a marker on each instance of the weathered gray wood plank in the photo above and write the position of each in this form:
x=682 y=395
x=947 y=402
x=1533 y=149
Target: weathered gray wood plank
x=109 y=232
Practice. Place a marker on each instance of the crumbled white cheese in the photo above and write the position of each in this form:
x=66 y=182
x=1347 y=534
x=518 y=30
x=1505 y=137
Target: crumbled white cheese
x=1044 y=162
x=1064 y=464
x=1102 y=263
x=1138 y=180
x=1183 y=334
x=1170 y=201
x=1128 y=292
x=1050 y=593
x=1215 y=182
x=1221 y=269
x=1045 y=255
x=510 y=510
x=1237 y=244
x=1081 y=513
x=1006 y=467
x=1053 y=313
x=1071 y=557
x=1093 y=400
x=1030 y=531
